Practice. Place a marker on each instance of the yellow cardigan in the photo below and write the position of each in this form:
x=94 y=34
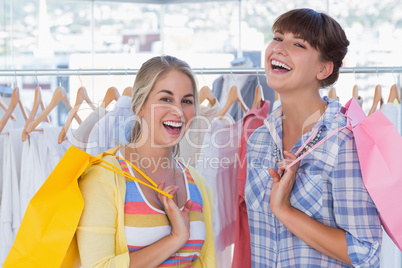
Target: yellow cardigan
x=102 y=221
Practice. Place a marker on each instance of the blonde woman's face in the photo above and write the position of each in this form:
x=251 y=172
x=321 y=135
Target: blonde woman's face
x=169 y=109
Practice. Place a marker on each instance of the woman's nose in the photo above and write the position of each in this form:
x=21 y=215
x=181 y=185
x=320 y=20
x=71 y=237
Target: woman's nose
x=280 y=48
x=177 y=108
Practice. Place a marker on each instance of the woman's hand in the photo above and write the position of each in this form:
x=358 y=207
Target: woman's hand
x=179 y=220
x=282 y=188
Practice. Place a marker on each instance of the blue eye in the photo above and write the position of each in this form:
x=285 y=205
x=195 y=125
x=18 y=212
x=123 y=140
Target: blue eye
x=277 y=39
x=165 y=99
x=299 y=45
x=187 y=101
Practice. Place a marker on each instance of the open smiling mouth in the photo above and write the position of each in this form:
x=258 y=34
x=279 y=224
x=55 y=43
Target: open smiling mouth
x=173 y=127
x=279 y=66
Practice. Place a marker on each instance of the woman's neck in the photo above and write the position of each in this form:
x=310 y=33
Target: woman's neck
x=302 y=112
x=154 y=160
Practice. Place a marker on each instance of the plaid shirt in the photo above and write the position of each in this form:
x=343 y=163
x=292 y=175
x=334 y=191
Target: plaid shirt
x=328 y=188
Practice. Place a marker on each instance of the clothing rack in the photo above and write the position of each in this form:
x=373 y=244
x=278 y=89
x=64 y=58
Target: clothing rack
x=206 y=71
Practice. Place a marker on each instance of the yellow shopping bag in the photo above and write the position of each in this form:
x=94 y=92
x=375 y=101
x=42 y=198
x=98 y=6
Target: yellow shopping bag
x=46 y=237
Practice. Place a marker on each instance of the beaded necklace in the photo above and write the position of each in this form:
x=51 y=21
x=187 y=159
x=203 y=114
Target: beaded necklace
x=308 y=144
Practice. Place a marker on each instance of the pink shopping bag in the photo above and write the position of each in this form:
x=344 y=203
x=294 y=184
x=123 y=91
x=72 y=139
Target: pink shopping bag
x=379 y=147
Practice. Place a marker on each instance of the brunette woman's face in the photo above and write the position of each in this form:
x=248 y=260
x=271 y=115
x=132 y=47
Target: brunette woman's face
x=169 y=109
x=291 y=63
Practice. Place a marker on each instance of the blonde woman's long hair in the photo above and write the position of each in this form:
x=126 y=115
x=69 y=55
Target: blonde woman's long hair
x=150 y=71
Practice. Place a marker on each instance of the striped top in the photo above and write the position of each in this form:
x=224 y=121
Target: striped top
x=145 y=224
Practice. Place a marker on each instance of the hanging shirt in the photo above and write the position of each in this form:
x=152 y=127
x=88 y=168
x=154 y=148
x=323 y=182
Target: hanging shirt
x=81 y=134
x=393 y=113
x=247 y=89
x=7 y=127
x=102 y=136
x=122 y=135
x=145 y=224
x=328 y=187
x=41 y=153
x=32 y=176
x=10 y=218
x=391 y=256
x=217 y=163
x=46 y=164
x=242 y=251
x=228 y=82
x=55 y=151
x=191 y=143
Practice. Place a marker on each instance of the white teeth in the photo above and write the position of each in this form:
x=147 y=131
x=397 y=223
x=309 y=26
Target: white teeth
x=280 y=64
x=173 y=124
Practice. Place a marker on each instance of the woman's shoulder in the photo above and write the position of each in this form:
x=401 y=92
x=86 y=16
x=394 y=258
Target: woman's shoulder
x=196 y=177
x=336 y=122
x=190 y=171
x=100 y=174
x=260 y=135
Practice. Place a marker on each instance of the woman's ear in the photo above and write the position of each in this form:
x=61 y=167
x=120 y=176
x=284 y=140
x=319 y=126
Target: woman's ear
x=140 y=113
x=325 y=70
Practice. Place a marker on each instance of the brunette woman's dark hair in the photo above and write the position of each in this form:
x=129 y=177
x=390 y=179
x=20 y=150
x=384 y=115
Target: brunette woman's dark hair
x=321 y=31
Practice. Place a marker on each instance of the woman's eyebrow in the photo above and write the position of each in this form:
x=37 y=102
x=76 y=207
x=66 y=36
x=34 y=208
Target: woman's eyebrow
x=171 y=93
x=166 y=91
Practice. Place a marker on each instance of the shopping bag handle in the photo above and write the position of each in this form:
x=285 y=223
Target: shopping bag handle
x=128 y=175
x=318 y=143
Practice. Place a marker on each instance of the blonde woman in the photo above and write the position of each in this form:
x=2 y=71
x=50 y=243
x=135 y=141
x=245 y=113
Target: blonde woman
x=127 y=224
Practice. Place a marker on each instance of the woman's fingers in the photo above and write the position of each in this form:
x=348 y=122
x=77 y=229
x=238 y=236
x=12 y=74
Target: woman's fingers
x=275 y=175
x=171 y=189
x=288 y=160
x=161 y=185
x=187 y=207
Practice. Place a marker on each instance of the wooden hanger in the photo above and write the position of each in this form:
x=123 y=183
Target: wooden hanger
x=4 y=106
x=355 y=92
x=15 y=99
x=128 y=91
x=393 y=94
x=377 y=99
x=258 y=98
x=205 y=93
x=111 y=94
x=37 y=103
x=332 y=94
x=234 y=95
x=59 y=95
x=81 y=97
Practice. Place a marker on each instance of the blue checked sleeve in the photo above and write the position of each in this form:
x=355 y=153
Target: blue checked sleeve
x=354 y=210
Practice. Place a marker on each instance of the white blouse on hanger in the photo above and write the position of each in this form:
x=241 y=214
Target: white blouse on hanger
x=102 y=136
x=10 y=218
x=81 y=135
x=393 y=113
x=7 y=127
x=391 y=256
x=217 y=163
x=55 y=151
x=191 y=143
x=31 y=174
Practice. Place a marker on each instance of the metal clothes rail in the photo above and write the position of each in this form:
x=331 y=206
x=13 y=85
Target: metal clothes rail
x=206 y=71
